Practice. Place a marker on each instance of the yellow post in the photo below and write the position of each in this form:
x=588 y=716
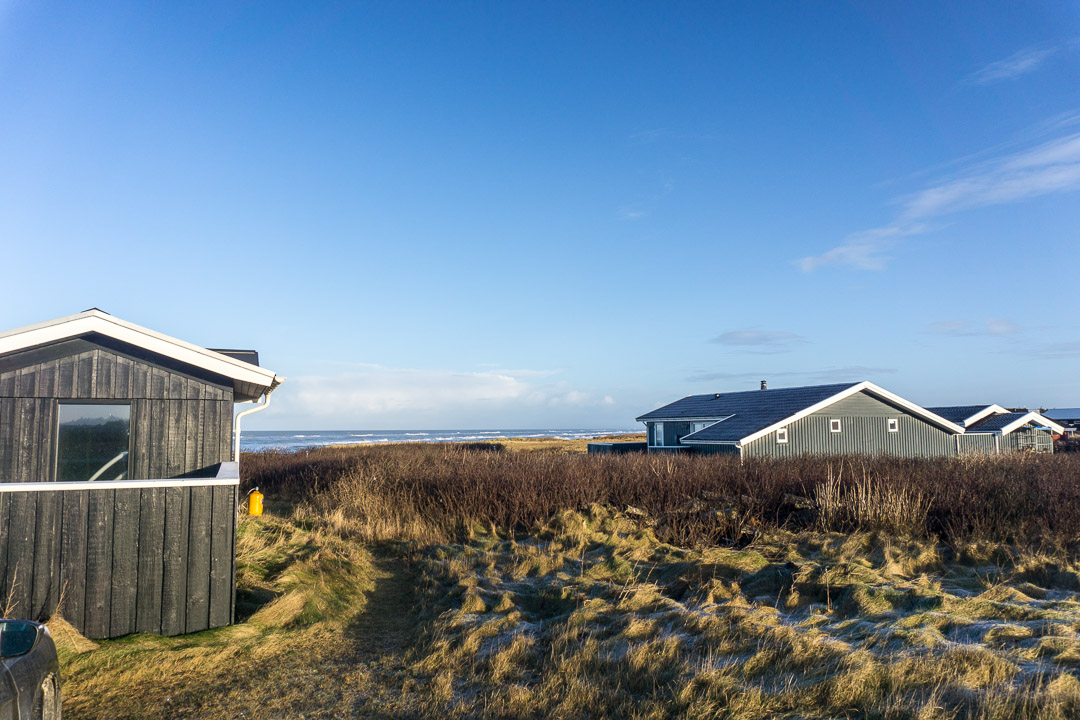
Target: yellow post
x=255 y=499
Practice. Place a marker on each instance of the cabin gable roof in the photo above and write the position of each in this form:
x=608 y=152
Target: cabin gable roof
x=249 y=381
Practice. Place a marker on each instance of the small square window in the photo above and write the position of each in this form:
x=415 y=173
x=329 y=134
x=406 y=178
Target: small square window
x=894 y=425
x=834 y=425
x=781 y=435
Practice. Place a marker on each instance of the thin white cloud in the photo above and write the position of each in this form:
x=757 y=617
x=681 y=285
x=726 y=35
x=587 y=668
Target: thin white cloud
x=759 y=341
x=1019 y=63
x=377 y=396
x=991 y=327
x=865 y=250
x=1059 y=350
x=1049 y=168
x=629 y=213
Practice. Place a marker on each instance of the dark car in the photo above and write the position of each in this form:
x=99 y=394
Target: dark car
x=29 y=672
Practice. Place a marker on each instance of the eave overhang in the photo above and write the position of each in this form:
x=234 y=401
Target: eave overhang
x=249 y=381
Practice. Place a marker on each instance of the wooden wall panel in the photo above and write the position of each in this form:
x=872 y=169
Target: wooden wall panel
x=174 y=570
x=73 y=556
x=46 y=578
x=151 y=561
x=198 y=559
x=141 y=560
x=222 y=549
x=98 y=564
x=125 y=561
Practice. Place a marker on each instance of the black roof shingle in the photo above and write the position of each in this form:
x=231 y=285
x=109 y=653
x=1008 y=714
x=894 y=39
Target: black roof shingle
x=957 y=413
x=746 y=412
x=995 y=422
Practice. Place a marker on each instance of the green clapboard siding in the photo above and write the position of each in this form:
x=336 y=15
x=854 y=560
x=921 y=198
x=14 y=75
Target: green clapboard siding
x=863 y=421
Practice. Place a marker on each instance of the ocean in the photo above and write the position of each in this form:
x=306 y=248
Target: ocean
x=288 y=440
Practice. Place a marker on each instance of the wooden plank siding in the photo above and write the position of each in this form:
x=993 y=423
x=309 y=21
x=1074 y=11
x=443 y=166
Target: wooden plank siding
x=157 y=560
x=863 y=429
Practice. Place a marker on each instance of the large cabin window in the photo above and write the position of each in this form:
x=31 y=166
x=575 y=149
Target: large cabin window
x=92 y=442
x=658 y=434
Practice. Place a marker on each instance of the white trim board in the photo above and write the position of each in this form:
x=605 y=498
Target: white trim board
x=96 y=321
x=1029 y=417
x=988 y=410
x=114 y=485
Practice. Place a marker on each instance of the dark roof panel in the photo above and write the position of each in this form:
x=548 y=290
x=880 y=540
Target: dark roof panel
x=995 y=422
x=746 y=412
x=786 y=401
x=249 y=356
x=957 y=413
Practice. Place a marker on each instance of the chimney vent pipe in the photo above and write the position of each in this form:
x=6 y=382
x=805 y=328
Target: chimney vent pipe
x=763 y=385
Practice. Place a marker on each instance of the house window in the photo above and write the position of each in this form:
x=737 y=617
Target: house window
x=781 y=436
x=658 y=434
x=834 y=425
x=92 y=442
x=698 y=426
x=894 y=425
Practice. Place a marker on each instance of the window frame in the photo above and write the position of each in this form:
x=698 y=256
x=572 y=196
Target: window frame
x=835 y=426
x=658 y=429
x=129 y=403
x=781 y=436
x=892 y=425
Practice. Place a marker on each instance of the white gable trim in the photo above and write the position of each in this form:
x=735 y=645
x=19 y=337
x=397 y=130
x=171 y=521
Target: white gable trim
x=95 y=321
x=988 y=410
x=1032 y=417
x=848 y=392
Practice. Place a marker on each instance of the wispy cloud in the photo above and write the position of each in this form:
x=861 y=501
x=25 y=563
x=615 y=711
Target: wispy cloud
x=865 y=250
x=631 y=213
x=1048 y=168
x=1019 y=63
x=374 y=395
x=993 y=327
x=834 y=374
x=1058 y=350
x=758 y=341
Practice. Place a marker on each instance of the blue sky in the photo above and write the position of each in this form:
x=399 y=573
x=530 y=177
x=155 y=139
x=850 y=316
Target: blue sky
x=459 y=215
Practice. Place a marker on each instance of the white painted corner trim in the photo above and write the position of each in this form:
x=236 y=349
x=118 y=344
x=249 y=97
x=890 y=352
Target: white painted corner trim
x=228 y=474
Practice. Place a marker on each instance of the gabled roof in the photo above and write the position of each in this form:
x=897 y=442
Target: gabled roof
x=1062 y=413
x=1006 y=423
x=714 y=406
x=742 y=417
x=966 y=415
x=249 y=381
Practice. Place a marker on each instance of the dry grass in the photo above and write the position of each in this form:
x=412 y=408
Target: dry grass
x=430 y=491
x=379 y=585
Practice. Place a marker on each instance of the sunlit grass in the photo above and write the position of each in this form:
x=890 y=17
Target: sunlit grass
x=383 y=588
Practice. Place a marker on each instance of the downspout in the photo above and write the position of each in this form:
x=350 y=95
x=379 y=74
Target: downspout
x=236 y=420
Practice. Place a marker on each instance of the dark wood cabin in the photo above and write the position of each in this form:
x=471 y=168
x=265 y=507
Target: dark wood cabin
x=118 y=476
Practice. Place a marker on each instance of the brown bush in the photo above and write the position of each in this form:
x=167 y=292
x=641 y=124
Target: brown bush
x=440 y=490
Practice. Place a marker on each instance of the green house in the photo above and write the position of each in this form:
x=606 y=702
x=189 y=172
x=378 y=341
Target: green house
x=842 y=418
